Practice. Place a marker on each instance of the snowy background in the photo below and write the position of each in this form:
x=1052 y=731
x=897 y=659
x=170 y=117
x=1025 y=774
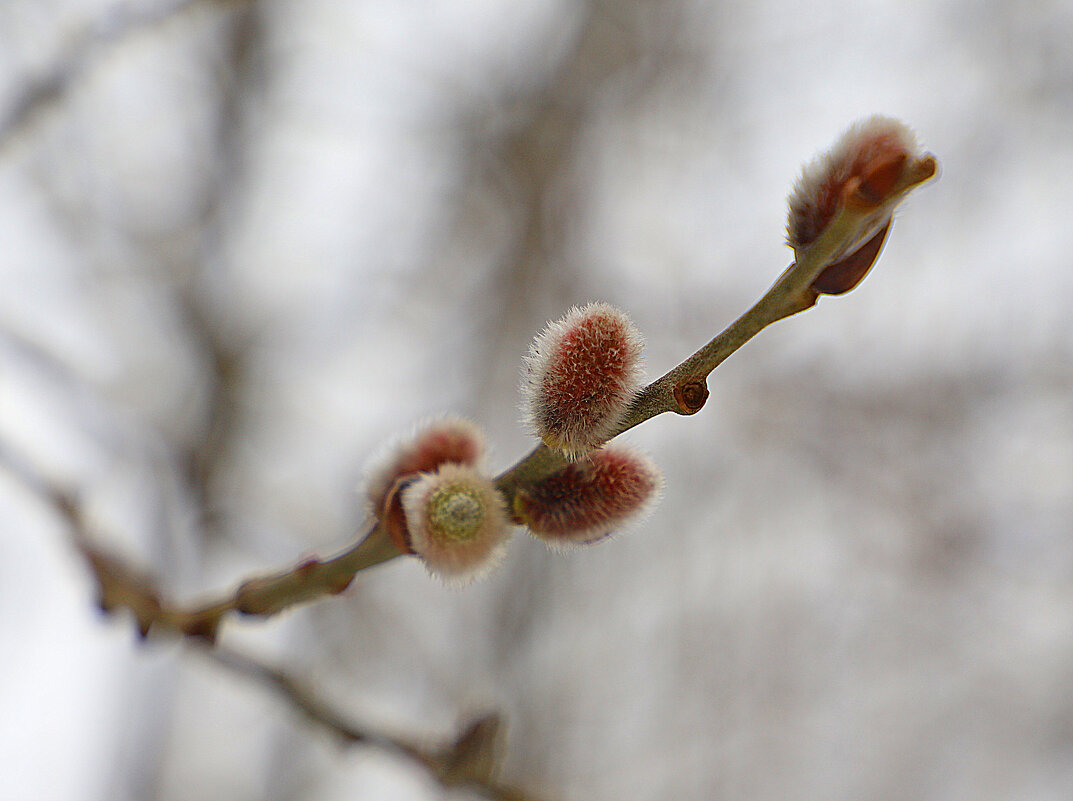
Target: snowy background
x=243 y=244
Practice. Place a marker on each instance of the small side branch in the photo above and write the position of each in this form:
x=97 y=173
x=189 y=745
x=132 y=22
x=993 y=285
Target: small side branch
x=52 y=84
x=469 y=760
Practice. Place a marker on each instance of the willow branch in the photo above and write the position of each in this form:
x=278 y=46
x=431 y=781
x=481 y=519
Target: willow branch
x=121 y=587
x=682 y=390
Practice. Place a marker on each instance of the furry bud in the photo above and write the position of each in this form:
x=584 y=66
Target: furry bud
x=866 y=174
x=589 y=498
x=582 y=372
x=450 y=439
x=457 y=521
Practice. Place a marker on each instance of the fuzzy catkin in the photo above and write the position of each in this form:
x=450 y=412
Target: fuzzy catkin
x=585 y=501
x=582 y=372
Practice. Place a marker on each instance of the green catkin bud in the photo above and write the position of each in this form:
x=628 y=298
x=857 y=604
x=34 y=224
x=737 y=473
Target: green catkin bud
x=456 y=522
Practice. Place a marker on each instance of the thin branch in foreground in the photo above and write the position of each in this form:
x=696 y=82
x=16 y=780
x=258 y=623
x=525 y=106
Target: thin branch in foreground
x=683 y=390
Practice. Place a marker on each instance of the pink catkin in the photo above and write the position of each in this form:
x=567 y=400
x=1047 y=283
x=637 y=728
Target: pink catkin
x=589 y=498
x=449 y=440
x=583 y=372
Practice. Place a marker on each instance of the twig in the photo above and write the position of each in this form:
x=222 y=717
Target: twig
x=683 y=390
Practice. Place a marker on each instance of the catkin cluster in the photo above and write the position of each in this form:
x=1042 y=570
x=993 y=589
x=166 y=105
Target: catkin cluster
x=583 y=373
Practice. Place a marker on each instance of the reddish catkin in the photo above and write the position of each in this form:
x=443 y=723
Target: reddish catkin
x=582 y=372
x=457 y=522
x=442 y=441
x=868 y=171
x=585 y=501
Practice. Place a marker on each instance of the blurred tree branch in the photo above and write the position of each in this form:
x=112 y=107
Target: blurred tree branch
x=469 y=760
x=527 y=162
x=52 y=84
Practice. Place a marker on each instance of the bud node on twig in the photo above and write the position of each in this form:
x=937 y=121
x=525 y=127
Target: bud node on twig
x=691 y=395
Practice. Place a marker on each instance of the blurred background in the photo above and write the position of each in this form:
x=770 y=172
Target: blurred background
x=243 y=244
